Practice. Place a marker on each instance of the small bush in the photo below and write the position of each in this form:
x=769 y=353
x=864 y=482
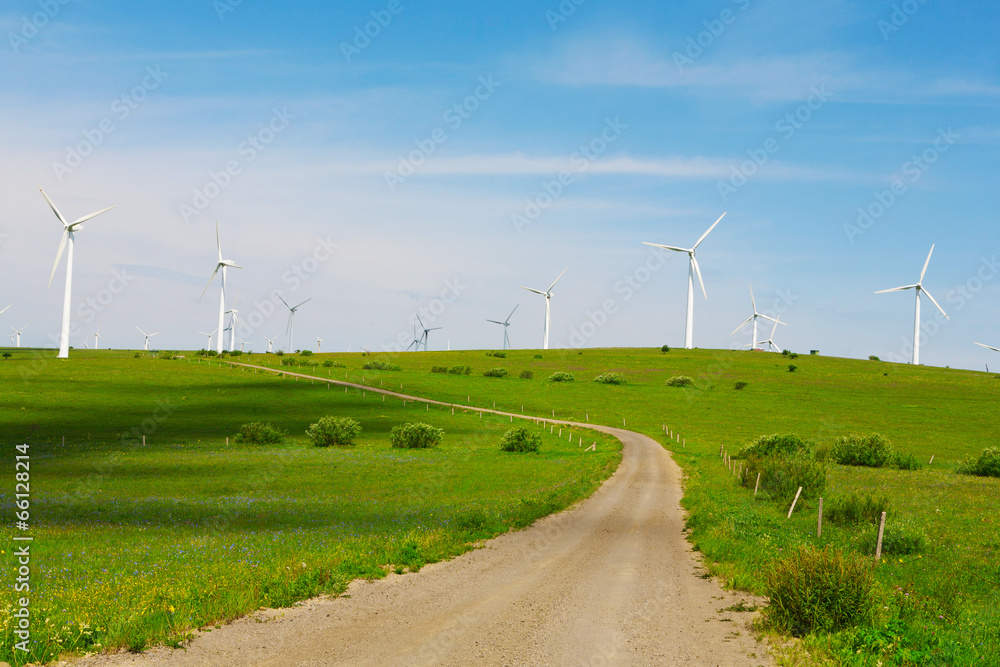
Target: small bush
x=873 y=451
x=379 y=365
x=306 y=353
x=537 y=356
x=416 y=435
x=987 y=465
x=7 y=355
x=520 y=439
x=330 y=363
x=906 y=462
x=280 y=353
x=741 y=385
x=791 y=368
x=896 y=541
x=872 y=357
x=772 y=445
x=236 y=353
x=259 y=433
x=460 y=370
x=498 y=355
x=665 y=349
x=331 y=430
x=782 y=474
x=814 y=591
x=786 y=352
x=793 y=355
x=856 y=509
x=289 y=362
x=680 y=381
x=611 y=378
x=439 y=369
x=527 y=375
x=562 y=377
x=495 y=373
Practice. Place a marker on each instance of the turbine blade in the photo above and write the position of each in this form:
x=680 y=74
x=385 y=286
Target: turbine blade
x=896 y=289
x=209 y=281
x=283 y=301
x=765 y=317
x=936 y=303
x=753 y=300
x=218 y=240
x=5 y=309
x=53 y=207
x=536 y=291
x=989 y=347
x=303 y=303
x=667 y=247
x=511 y=313
x=926 y=263
x=62 y=247
x=697 y=269
x=141 y=331
x=88 y=217
x=709 y=231
x=557 y=279
x=745 y=322
x=493 y=321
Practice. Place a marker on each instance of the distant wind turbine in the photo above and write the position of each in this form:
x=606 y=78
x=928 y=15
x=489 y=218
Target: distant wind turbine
x=426 y=333
x=209 y=338
x=919 y=288
x=753 y=318
x=243 y=344
x=68 y=239
x=771 y=345
x=234 y=321
x=97 y=336
x=989 y=347
x=548 y=312
x=505 y=324
x=270 y=343
x=222 y=264
x=17 y=332
x=319 y=344
x=148 y=336
x=415 y=343
x=291 y=321
x=693 y=269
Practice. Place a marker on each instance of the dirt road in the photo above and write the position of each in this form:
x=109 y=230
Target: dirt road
x=611 y=581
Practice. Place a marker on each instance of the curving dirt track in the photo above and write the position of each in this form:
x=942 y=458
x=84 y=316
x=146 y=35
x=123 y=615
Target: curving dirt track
x=611 y=581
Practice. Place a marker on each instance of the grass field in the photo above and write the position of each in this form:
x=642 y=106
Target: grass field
x=137 y=544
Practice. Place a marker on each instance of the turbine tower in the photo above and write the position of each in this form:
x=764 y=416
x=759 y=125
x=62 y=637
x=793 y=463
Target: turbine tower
x=222 y=264
x=290 y=331
x=693 y=268
x=753 y=344
x=270 y=343
x=919 y=289
x=505 y=324
x=234 y=322
x=97 y=336
x=17 y=333
x=209 y=338
x=68 y=238
x=148 y=336
x=548 y=312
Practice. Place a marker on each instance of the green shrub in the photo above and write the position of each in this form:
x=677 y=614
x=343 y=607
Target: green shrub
x=280 y=353
x=562 y=377
x=741 y=385
x=527 y=375
x=611 y=378
x=774 y=444
x=680 y=381
x=520 y=439
x=332 y=430
x=813 y=591
x=987 y=465
x=781 y=475
x=460 y=370
x=236 y=353
x=856 y=509
x=873 y=451
x=416 y=435
x=439 y=369
x=537 y=356
x=906 y=462
x=289 y=362
x=496 y=373
x=306 y=353
x=896 y=540
x=498 y=355
x=379 y=365
x=872 y=357
x=7 y=355
x=791 y=368
x=330 y=363
x=665 y=349
x=259 y=433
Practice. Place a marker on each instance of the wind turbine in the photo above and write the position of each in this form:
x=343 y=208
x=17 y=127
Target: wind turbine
x=319 y=344
x=548 y=313
x=97 y=335
x=291 y=320
x=415 y=344
x=222 y=264
x=426 y=333
x=753 y=344
x=770 y=341
x=505 y=324
x=693 y=268
x=270 y=343
x=148 y=336
x=209 y=338
x=919 y=288
x=17 y=332
x=68 y=238
x=988 y=347
x=234 y=322
x=243 y=344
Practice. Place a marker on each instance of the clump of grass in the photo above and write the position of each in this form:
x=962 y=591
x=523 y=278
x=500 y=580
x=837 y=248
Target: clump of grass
x=416 y=435
x=290 y=361
x=259 y=433
x=562 y=377
x=460 y=370
x=856 y=509
x=680 y=381
x=820 y=591
x=439 y=369
x=495 y=373
x=987 y=465
x=611 y=378
x=741 y=385
x=537 y=356
x=498 y=355
x=872 y=451
x=330 y=363
x=782 y=474
x=527 y=375
x=906 y=462
x=330 y=430
x=380 y=365
x=774 y=444
x=896 y=540
x=520 y=439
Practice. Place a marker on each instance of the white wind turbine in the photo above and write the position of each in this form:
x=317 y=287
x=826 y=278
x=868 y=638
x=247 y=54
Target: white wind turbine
x=148 y=336
x=989 y=347
x=270 y=343
x=693 y=268
x=771 y=345
x=548 y=312
x=97 y=336
x=753 y=318
x=234 y=321
x=319 y=344
x=290 y=331
x=209 y=338
x=426 y=335
x=505 y=324
x=415 y=344
x=919 y=288
x=17 y=333
x=68 y=238
x=222 y=264
x=243 y=345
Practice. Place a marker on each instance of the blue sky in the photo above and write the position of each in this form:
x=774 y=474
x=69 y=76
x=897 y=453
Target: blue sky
x=421 y=152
